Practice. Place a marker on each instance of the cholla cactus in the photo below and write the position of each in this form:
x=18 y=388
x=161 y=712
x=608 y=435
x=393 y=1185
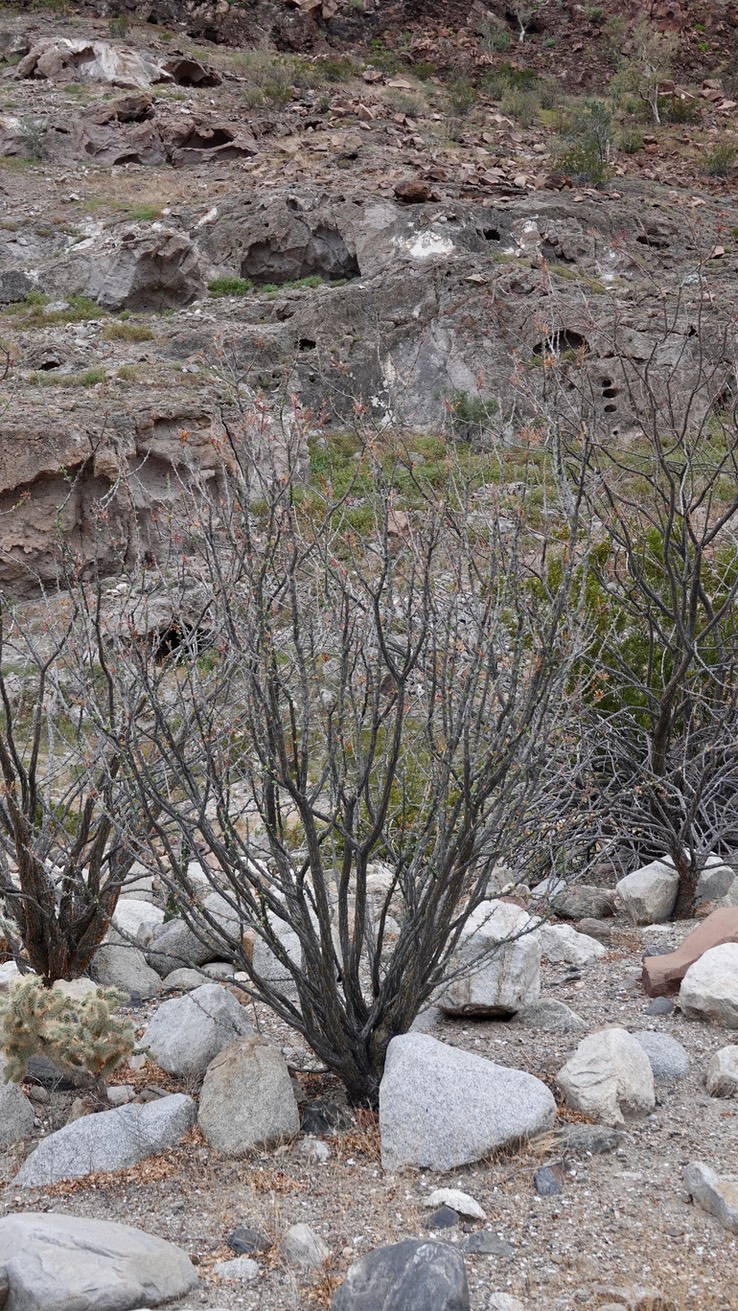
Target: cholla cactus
x=77 y=1034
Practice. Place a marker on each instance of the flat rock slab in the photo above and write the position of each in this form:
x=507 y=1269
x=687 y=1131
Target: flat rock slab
x=663 y=974
x=416 y=1275
x=109 y=1140
x=717 y=1196
x=65 y=1263
x=440 y=1107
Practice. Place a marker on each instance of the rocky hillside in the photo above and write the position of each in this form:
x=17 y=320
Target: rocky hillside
x=390 y=217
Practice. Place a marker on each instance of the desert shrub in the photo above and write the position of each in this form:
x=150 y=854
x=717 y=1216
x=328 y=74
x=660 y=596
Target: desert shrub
x=79 y=1035
x=229 y=286
x=128 y=332
x=631 y=140
x=495 y=35
x=720 y=162
x=462 y=96
x=647 y=68
x=584 y=151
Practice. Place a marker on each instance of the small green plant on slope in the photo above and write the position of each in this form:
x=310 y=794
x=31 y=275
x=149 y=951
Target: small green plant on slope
x=79 y=1035
x=648 y=67
x=584 y=149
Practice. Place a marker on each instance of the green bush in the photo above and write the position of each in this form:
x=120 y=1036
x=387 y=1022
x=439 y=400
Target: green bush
x=584 y=151
x=720 y=162
x=79 y=1035
x=229 y=286
x=631 y=140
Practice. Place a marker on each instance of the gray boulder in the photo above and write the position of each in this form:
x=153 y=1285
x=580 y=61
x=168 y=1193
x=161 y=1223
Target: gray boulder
x=184 y=980
x=721 y=1078
x=440 y=1107
x=649 y=894
x=68 y=1263
x=109 y=1140
x=668 y=1058
x=134 y=267
x=415 y=1275
x=175 y=945
x=709 y=988
x=609 y=1077
x=583 y=901
x=717 y=887
x=16 y=1113
x=496 y=968
x=301 y=1246
x=717 y=1196
x=247 y=1099
x=560 y=942
x=186 y=1033
x=551 y=1016
x=121 y=966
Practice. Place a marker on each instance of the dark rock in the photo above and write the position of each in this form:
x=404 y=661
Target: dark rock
x=549 y=1180
x=14 y=286
x=416 y=1275
x=487 y=1243
x=596 y=1139
x=443 y=1218
x=660 y=1006
x=245 y=1240
x=413 y=192
x=321 y=1119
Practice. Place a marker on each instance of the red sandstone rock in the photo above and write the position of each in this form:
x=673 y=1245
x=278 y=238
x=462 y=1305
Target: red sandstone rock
x=663 y=974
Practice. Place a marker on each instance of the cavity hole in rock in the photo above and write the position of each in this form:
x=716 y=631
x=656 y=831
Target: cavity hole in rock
x=652 y=239
x=610 y=409
x=491 y=234
x=563 y=339
x=324 y=254
x=188 y=639
x=609 y=391
x=307 y=344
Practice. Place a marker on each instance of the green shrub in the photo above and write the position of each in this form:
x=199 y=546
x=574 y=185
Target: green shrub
x=145 y=213
x=462 y=95
x=631 y=140
x=720 y=162
x=229 y=286
x=585 y=150
x=128 y=332
x=79 y=1035
x=495 y=35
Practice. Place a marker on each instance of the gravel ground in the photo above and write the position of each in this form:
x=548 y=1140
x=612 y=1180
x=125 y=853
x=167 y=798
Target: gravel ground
x=623 y=1218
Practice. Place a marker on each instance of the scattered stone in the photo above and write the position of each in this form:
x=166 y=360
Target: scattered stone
x=663 y=974
x=415 y=1273
x=16 y=1113
x=560 y=942
x=14 y=286
x=122 y=966
x=459 y=1202
x=77 y=1264
x=443 y=1218
x=245 y=1240
x=108 y=1140
x=241 y=1268
x=609 y=1077
x=634 y=1297
x=649 y=894
x=413 y=192
x=660 y=1006
x=549 y=1180
x=247 y=1099
x=187 y=1033
x=721 y=1079
x=314 y=1150
x=583 y=901
x=497 y=963
x=709 y=989
x=598 y=929
x=303 y=1247
x=550 y=1015
x=668 y=1058
x=440 y=1107
x=120 y=1094
x=504 y=1302
x=184 y=980
x=487 y=1243
x=719 y=1197
x=594 y=1139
